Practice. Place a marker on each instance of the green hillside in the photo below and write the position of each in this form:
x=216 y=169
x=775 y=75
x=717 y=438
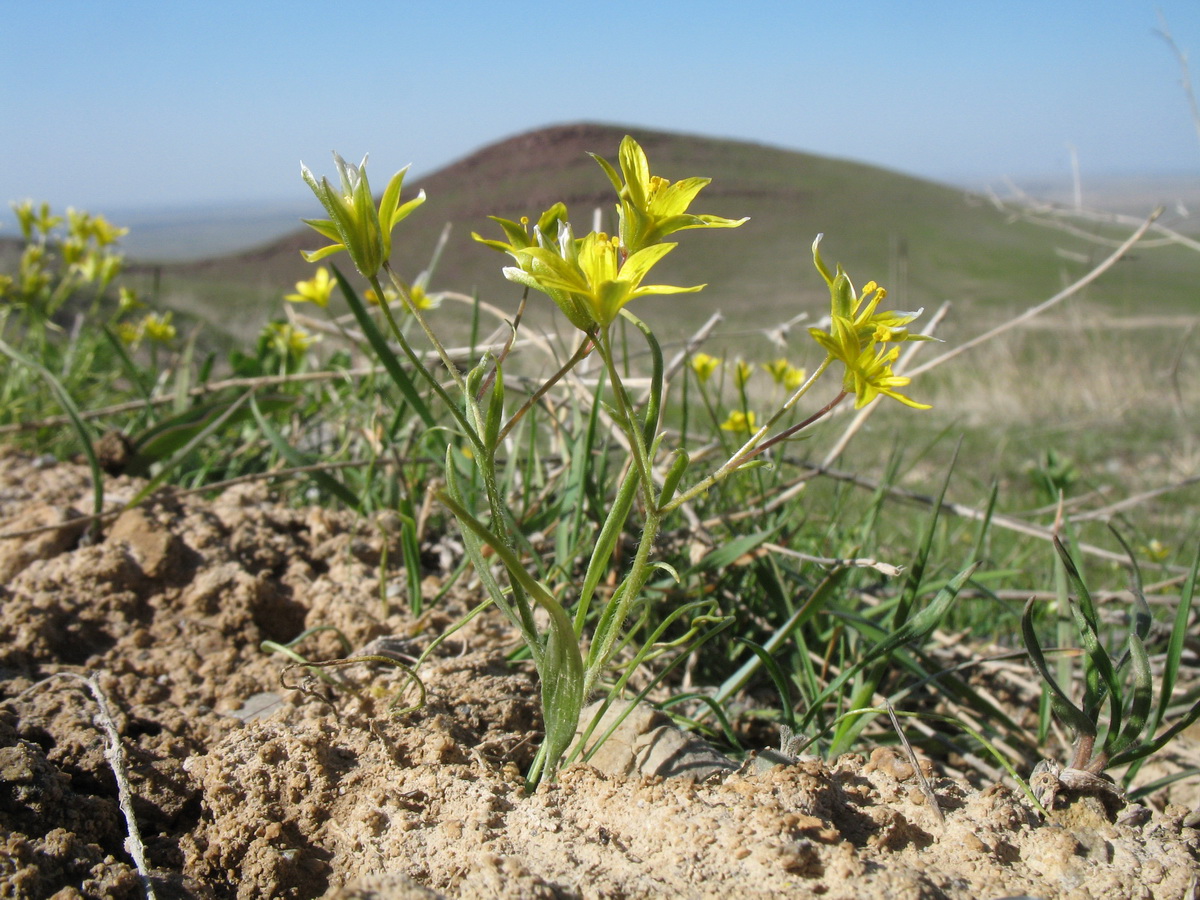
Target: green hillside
x=926 y=242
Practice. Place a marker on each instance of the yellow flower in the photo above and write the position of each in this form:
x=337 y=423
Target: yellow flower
x=389 y=294
x=777 y=369
x=100 y=267
x=421 y=299
x=354 y=224
x=1156 y=550
x=289 y=340
x=317 y=289
x=587 y=278
x=861 y=310
x=127 y=300
x=519 y=238
x=739 y=422
x=856 y=327
x=35 y=221
x=794 y=377
x=73 y=251
x=84 y=226
x=704 y=366
x=158 y=328
x=128 y=333
x=104 y=232
x=871 y=375
x=652 y=207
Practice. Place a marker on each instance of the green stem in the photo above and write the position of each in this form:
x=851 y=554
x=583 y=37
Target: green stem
x=584 y=349
x=753 y=447
x=402 y=290
x=601 y=651
x=628 y=423
x=614 y=616
x=469 y=429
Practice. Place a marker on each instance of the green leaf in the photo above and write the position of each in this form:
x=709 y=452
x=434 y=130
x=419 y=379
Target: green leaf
x=561 y=666
x=166 y=437
x=606 y=542
x=1072 y=715
x=295 y=458
x=777 y=678
x=1139 y=707
x=731 y=551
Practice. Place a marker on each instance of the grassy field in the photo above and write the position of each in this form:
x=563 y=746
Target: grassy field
x=1094 y=401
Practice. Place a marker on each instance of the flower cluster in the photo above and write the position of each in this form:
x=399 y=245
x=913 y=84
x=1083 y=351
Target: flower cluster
x=354 y=224
x=86 y=253
x=153 y=327
x=862 y=337
x=592 y=278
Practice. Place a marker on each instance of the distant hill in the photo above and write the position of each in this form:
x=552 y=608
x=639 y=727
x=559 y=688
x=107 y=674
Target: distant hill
x=927 y=242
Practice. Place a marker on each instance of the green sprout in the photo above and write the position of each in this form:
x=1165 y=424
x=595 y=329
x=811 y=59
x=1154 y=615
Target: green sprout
x=1116 y=722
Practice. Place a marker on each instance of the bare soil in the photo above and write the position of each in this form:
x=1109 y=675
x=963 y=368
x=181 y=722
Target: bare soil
x=246 y=788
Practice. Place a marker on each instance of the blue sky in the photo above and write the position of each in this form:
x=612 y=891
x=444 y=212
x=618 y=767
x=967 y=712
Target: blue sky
x=123 y=104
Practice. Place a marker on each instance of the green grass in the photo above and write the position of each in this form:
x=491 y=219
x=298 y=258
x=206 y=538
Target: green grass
x=766 y=629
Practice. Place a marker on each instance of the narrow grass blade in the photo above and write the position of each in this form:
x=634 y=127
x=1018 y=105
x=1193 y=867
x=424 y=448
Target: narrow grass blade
x=1099 y=662
x=654 y=401
x=816 y=602
x=384 y=352
x=1140 y=704
x=483 y=570
x=68 y=404
x=1176 y=642
x=606 y=542
x=167 y=436
x=777 y=678
x=915 y=629
x=133 y=371
x=179 y=456
x=295 y=458
x=849 y=730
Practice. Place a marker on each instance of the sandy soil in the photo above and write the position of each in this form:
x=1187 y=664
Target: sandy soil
x=245 y=788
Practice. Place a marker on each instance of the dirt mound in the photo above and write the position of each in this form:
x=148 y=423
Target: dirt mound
x=246 y=788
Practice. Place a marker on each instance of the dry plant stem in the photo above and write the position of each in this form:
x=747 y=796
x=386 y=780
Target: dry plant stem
x=1061 y=218
x=198 y=391
x=797 y=428
x=856 y=563
x=1044 y=305
x=916 y=766
x=114 y=753
x=1107 y=512
x=958 y=509
x=1186 y=75
x=691 y=345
